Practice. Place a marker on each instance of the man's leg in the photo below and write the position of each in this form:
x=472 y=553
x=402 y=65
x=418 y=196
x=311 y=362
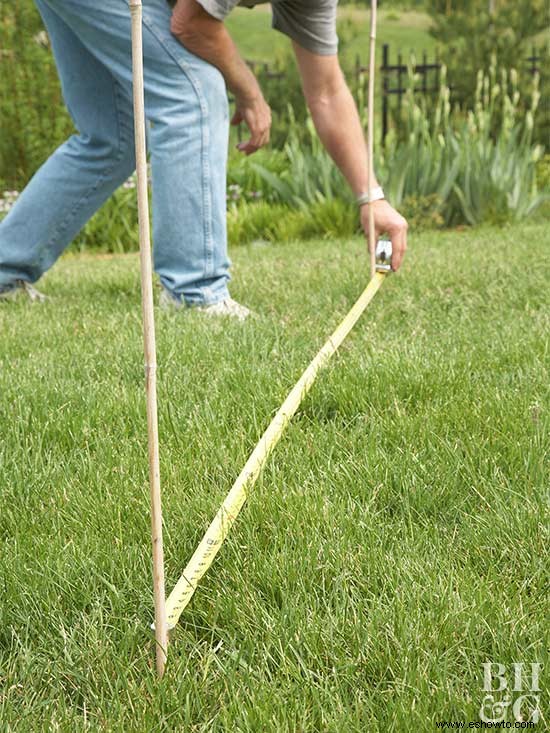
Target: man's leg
x=186 y=104
x=81 y=174
x=186 y=101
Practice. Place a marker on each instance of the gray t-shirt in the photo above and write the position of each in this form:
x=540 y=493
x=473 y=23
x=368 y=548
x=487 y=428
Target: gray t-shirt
x=311 y=23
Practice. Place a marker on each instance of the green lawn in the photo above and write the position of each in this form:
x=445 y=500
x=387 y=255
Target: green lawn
x=394 y=543
x=404 y=31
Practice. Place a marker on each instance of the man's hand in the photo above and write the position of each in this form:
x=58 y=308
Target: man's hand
x=387 y=219
x=208 y=38
x=256 y=115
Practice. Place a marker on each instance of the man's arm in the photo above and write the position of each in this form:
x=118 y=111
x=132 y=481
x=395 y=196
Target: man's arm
x=337 y=122
x=208 y=38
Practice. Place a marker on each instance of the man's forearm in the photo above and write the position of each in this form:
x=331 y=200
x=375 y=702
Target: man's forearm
x=337 y=122
x=208 y=38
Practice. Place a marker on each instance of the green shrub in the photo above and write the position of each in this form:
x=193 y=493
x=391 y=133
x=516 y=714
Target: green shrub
x=32 y=114
x=243 y=173
x=543 y=173
x=498 y=175
x=425 y=166
x=423 y=212
x=252 y=221
x=309 y=175
x=469 y=36
x=248 y=222
x=447 y=167
x=333 y=218
x=477 y=173
x=454 y=162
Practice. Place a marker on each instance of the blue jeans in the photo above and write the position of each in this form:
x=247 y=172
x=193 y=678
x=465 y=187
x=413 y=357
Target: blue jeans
x=186 y=107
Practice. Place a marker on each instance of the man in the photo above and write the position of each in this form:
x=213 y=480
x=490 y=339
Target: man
x=189 y=60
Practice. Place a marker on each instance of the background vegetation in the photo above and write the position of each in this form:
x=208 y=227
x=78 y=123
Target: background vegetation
x=472 y=152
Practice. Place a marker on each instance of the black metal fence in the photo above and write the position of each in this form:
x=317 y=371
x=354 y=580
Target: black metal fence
x=535 y=61
x=394 y=76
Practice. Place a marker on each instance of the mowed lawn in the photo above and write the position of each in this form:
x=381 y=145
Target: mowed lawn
x=403 y=31
x=394 y=543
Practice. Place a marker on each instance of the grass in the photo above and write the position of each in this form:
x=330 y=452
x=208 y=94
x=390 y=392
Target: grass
x=404 y=31
x=395 y=541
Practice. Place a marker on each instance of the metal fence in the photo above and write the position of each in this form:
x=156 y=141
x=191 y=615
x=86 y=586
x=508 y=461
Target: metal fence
x=395 y=74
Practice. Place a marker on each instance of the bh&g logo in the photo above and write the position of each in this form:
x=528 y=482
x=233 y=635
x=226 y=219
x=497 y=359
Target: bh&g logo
x=513 y=695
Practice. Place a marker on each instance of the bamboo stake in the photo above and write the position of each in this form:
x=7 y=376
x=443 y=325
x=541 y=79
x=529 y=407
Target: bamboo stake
x=161 y=632
x=221 y=524
x=370 y=136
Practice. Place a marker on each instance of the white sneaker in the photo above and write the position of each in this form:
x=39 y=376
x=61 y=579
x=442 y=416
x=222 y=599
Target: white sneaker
x=168 y=302
x=22 y=288
x=227 y=307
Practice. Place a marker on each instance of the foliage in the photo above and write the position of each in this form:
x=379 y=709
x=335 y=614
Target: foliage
x=250 y=217
x=543 y=184
x=498 y=179
x=449 y=170
x=33 y=118
x=427 y=162
x=249 y=222
x=446 y=167
x=243 y=173
x=470 y=35
x=309 y=175
x=281 y=223
x=391 y=4
x=543 y=173
x=452 y=161
x=423 y=212
x=478 y=175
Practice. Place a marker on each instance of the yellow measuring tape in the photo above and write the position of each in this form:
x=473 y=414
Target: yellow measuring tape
x=227 y=513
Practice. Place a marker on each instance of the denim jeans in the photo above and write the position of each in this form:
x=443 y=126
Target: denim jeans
x=187 y=111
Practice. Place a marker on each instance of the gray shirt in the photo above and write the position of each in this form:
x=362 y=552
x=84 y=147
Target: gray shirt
x=311 y=23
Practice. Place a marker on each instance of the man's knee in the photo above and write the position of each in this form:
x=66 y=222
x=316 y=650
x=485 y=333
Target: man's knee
x=101 y=152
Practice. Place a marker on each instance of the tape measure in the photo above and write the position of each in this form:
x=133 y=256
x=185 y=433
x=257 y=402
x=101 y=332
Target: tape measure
x=221 y=524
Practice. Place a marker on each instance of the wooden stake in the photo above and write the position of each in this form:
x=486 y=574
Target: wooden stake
x=370 y=136
x=161 y=631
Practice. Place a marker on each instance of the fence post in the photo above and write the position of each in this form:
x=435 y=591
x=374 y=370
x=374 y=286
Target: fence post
x=400 y=69
x=534 y=59
x=399 y=85
x=385 y=89
x=424 y=72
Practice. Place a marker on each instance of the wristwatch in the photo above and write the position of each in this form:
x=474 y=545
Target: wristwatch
x=377 y=194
